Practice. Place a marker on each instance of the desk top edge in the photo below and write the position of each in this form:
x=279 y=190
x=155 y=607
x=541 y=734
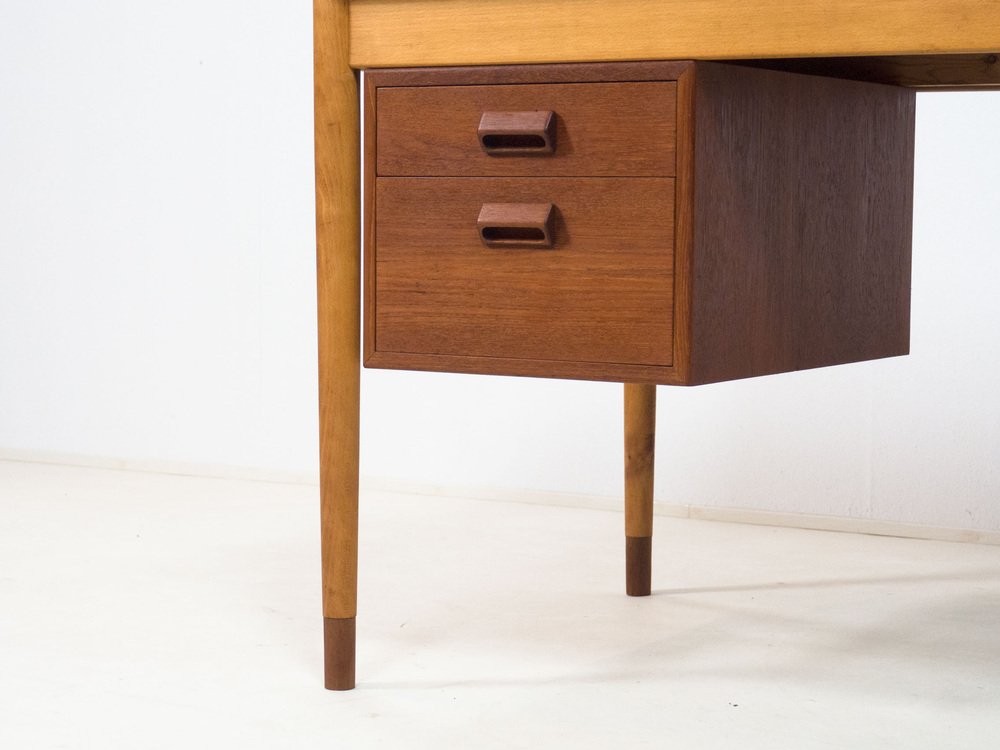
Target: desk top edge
x=944 y=44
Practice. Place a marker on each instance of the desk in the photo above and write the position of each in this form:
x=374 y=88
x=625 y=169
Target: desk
x=940 y=44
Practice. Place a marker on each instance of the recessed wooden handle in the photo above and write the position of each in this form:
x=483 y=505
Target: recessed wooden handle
x=516 y=224
x=518 y=133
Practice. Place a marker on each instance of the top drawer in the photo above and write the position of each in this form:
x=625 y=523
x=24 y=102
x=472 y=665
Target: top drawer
x=623 y=129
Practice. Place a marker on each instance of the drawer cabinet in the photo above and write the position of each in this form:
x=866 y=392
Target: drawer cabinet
x=673 y=222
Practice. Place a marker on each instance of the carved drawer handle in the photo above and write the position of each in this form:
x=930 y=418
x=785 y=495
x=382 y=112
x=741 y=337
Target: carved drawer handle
x=516 y=224
x=518 y=133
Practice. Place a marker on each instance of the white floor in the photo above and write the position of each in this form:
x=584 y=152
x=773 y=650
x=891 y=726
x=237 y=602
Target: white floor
x=152 y=611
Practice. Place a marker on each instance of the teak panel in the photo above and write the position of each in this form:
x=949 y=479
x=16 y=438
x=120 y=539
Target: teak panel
x=487 y=75
x=790 y=238
x=602 y=129
x=602 y=293
x=802 y=211
x=387 y=33
x=927 y=72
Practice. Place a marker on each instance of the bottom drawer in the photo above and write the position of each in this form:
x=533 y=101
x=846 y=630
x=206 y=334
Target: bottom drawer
x=603 y=291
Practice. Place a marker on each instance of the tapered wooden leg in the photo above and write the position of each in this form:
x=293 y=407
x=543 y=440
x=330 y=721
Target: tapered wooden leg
x=338 y=253
x=640 y=438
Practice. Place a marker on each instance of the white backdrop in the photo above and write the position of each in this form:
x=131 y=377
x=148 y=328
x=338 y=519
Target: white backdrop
x=157 y=297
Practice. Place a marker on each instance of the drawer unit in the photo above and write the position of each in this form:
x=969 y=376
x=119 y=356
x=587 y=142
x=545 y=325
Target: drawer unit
x=675 y=223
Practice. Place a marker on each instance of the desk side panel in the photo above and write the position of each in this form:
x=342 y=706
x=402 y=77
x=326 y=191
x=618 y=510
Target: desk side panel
x=802 y=222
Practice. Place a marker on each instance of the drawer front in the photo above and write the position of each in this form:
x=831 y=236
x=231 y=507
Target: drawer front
x=598 y=129
x=603 y=291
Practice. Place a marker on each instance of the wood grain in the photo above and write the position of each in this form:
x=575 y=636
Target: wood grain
x=338 y=278
x=602 y=129
x=485 y=75
x=532 y=368
x=339 y=639
x=926 y=72
x=790 y=228
x=638 y=565
x=602 y=293
x=802 y=211
x=507 y=75
x=683 y=229
x=518 y=132
x=368 y=245
x=640 y=456
x=504 y=225
x=389 y=33
x=640 y=452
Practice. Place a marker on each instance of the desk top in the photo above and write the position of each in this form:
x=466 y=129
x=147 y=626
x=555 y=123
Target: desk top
x=937 y=43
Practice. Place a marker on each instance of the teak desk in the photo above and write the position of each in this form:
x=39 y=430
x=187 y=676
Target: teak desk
x=927 y=44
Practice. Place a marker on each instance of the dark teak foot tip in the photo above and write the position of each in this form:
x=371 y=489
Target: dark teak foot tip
x=638 y=565
x=338 y=653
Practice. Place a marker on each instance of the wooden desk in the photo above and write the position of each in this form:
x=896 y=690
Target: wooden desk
x=938 y=44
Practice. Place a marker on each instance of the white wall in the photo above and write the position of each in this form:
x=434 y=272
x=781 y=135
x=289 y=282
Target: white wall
x=157 y=300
